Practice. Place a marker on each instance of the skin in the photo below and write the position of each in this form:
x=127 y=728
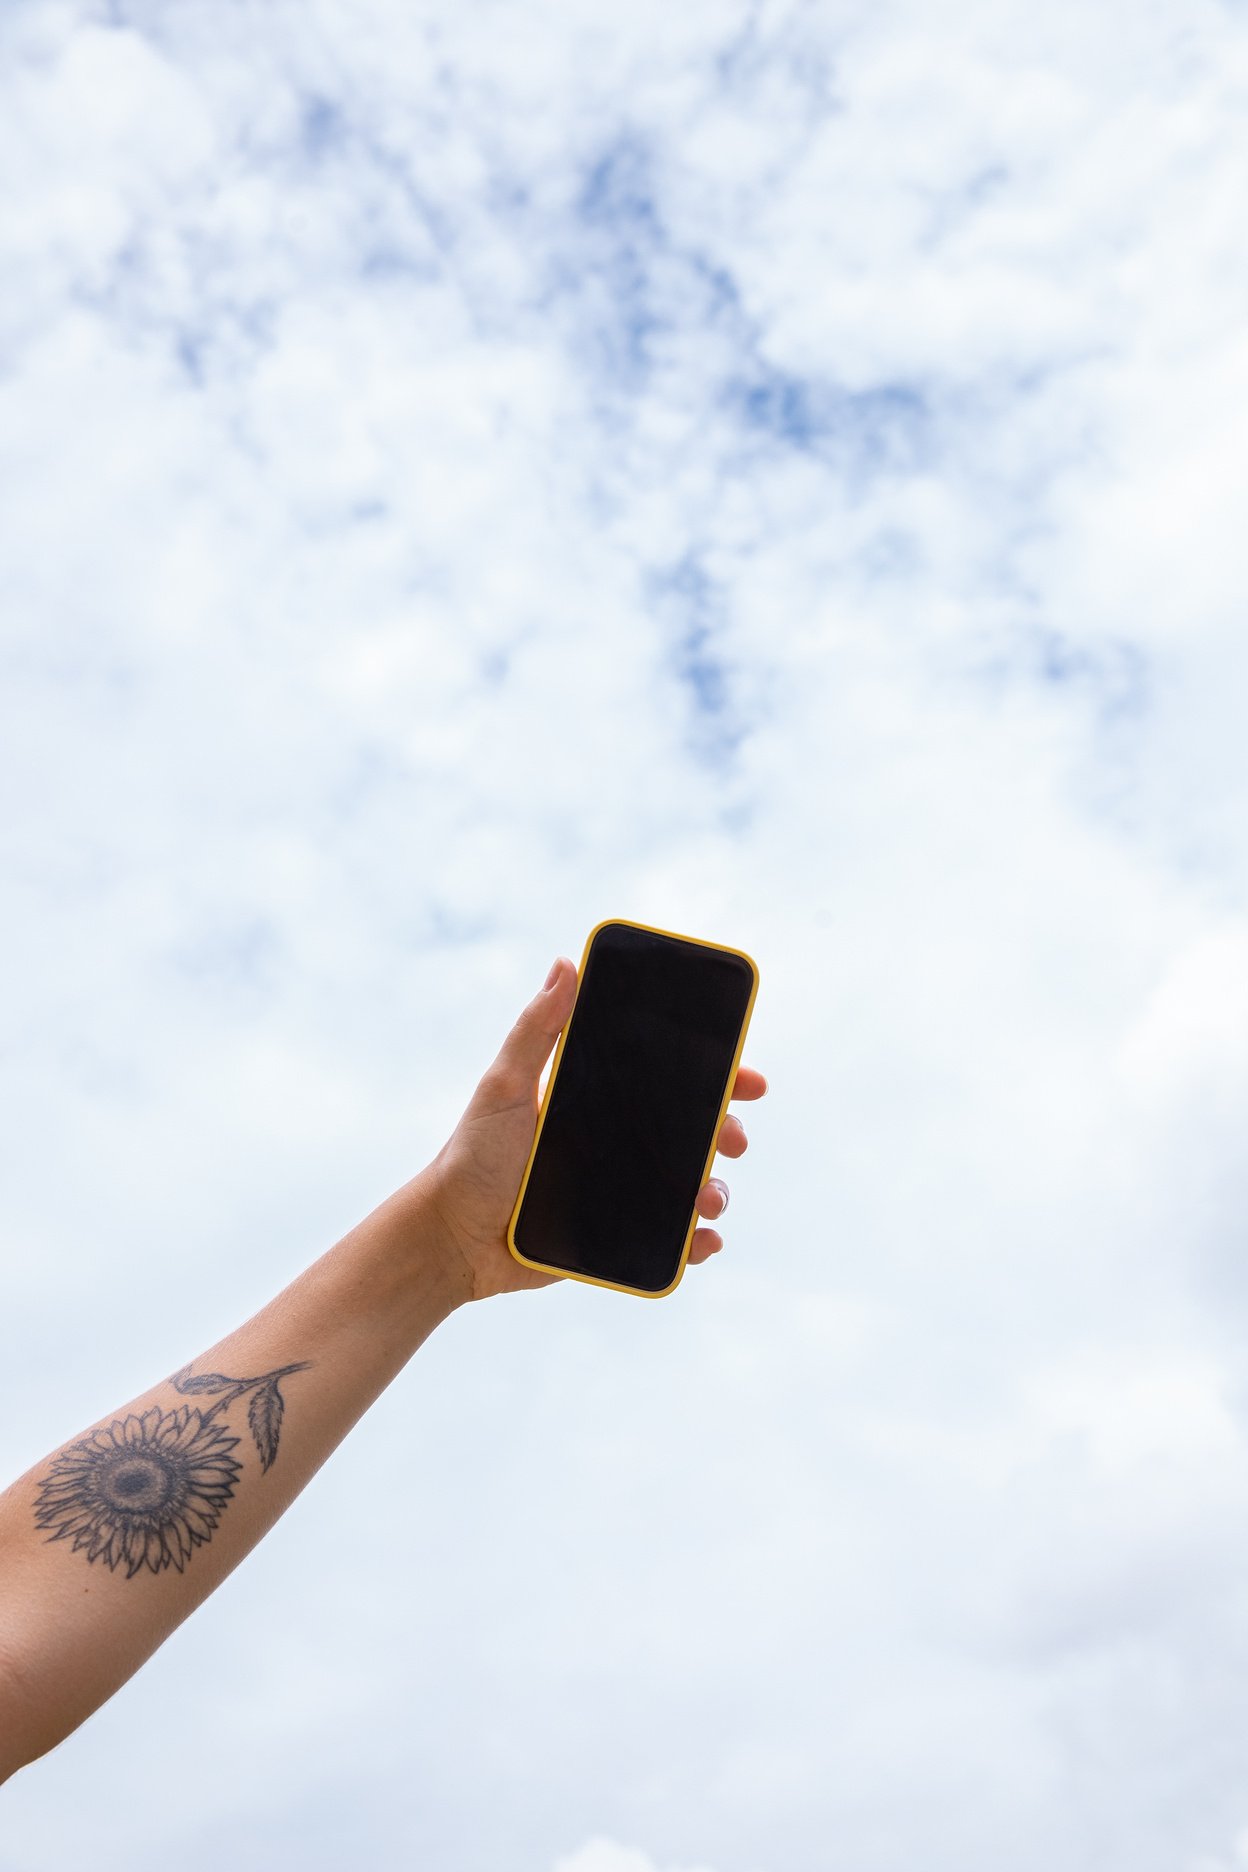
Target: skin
x=80 y=1611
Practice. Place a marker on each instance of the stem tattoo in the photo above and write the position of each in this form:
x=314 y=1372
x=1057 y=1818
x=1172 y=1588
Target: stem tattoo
x=146 y=1491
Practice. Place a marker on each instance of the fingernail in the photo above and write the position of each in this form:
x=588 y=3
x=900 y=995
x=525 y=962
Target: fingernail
x=554 y=970
x=723 y=1190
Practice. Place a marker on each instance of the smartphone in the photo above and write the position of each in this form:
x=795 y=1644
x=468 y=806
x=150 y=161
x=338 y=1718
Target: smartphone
x=637 y=1092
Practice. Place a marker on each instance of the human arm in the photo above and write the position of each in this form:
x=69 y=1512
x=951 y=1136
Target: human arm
x=107 y=1545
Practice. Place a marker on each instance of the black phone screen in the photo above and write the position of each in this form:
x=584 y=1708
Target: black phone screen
x=633 y=1106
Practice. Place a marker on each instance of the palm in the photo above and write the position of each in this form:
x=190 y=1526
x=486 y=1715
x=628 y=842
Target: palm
x=482 y=1165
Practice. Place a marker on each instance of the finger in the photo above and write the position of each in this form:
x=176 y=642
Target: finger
x=712 y=1199
x=732 y=1141
x=748 y=1084
x=705 y=1243
x=531 y=1041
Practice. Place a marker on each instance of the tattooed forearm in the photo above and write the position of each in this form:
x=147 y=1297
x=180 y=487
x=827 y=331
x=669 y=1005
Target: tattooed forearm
x=146 y=1491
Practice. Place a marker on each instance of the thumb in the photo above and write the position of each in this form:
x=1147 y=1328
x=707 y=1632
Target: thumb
x=529 y=1044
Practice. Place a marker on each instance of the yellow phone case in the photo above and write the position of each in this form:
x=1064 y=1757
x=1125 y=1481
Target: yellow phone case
x=593 y=1280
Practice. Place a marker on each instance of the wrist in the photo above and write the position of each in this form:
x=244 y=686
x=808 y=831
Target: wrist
x=433 y=1254
x=393 y=1276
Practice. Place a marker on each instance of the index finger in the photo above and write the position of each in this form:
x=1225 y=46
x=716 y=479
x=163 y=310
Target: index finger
x=748 y=1084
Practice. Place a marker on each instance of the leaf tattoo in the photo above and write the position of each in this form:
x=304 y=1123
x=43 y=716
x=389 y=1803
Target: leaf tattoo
x=146 y=1491
x=198 y=1387
x=264 y=1417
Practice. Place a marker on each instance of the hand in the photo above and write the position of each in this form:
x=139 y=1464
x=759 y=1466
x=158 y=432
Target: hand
x=475 y=1178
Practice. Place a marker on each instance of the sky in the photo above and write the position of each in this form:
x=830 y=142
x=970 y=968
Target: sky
x=772 y=471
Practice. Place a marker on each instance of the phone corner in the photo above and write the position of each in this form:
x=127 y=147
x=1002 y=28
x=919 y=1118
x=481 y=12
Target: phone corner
x=661 y=1293
x=604 y=923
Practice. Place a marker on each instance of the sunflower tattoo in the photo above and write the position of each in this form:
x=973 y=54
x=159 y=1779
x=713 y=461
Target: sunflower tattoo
x=146 y=1491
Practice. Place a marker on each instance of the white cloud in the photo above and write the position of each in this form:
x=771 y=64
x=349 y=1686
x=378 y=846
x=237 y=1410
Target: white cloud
x=604 y=1855
x=1192 y=1034
x=772 y=472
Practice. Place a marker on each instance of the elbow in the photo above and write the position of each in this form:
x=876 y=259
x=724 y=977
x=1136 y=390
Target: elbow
x=17 y=1747
x=34 y=1719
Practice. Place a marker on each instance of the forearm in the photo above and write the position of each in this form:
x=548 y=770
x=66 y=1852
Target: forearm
x=108 y=1545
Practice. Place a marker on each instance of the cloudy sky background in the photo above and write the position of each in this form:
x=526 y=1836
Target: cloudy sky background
x=774 y=471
